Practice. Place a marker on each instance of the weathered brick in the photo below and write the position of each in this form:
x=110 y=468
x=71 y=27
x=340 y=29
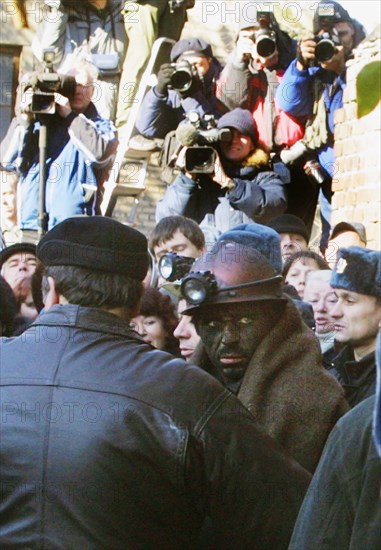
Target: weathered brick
x=339 y=116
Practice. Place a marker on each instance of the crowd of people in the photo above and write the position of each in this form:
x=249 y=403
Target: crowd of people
x=214 y=383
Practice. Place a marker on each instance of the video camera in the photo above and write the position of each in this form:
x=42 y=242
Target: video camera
x=327 y=41
x=46 y=84
x=265 y=37
x=201 y=136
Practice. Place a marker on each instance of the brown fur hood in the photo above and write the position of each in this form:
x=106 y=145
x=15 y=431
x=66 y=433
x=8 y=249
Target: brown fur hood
x=291 y=396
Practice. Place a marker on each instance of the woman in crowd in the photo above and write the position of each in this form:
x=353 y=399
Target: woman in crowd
x=240 y=186
x=319 y=293
x=298 y=265
x=156 y=321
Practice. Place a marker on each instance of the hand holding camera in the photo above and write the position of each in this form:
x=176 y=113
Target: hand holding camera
x=244 y=48
x=306 y=53
x=220 y=175
x=164 y=78
x=63 y=107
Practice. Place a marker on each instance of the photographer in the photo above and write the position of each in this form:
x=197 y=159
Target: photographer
x=249 y=80
x=312 y=89
x=240 y=188
x=145 y=21
x=80 y=148
x=165 y=105
x=86 y=29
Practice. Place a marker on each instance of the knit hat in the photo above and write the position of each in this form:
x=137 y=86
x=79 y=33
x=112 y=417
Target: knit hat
x=259 y=237
x=288 y=223
x=6 y=253
x=242 y=120
x=97 y=243
x=189 y=47
x=358 y=269
x=342 y=227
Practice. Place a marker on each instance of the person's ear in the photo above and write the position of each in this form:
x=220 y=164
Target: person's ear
x=52 y=297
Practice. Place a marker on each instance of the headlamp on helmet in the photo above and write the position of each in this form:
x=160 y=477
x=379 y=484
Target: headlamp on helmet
x=173 y=267
x=202 y=286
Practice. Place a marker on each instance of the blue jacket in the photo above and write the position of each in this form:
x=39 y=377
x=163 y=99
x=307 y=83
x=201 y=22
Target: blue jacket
x=295 y=96
x=258 y=195
x=79 y=150
x=161 y=113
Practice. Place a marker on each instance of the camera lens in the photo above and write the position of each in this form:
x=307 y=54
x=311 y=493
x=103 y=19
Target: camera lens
x=265 y=46
x=200 y=160
x=181 y=80
x=325 y=50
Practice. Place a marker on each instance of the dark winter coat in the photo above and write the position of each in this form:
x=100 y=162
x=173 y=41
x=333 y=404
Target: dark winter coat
x=107 y=442
x=290 y=394
x=342 y=508
x=358 y=378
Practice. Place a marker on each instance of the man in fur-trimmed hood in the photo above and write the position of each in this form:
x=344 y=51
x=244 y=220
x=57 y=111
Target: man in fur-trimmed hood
x=255 y=342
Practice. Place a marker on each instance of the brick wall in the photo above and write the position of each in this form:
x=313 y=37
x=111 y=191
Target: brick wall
x=357 y=181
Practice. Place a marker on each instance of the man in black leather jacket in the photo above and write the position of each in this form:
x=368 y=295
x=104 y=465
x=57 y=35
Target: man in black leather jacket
x=107 y=442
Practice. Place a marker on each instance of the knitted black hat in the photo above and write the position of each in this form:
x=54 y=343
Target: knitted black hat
x=242 y=120
x=358 y=269
x=96 y=243
x=288 y=223
x=191 y=46
x=9 y=251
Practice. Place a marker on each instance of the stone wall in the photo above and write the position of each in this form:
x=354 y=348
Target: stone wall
x=357 y=182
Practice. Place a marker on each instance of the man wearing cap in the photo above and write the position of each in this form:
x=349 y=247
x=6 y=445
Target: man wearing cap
x=344 y=235
x=164 y=107
x=17 y=265
x=294 y=235
x=312 y=89
x=107 y=442
x=357 y=317
x=342 y=506
x=255 y=342
x=243 y=187
x=144 y=22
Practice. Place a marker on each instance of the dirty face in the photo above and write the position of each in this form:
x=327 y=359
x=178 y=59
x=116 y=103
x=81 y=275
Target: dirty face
x=232 y=332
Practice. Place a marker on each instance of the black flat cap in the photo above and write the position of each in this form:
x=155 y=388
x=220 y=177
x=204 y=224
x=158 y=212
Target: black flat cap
x=97 y=243
x=27 y=248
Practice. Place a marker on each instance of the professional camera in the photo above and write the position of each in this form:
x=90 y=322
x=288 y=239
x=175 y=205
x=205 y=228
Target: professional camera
x=327 y=41
x=183 y=76
x=201 y=136
x=265 y=36
x=46 y=84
